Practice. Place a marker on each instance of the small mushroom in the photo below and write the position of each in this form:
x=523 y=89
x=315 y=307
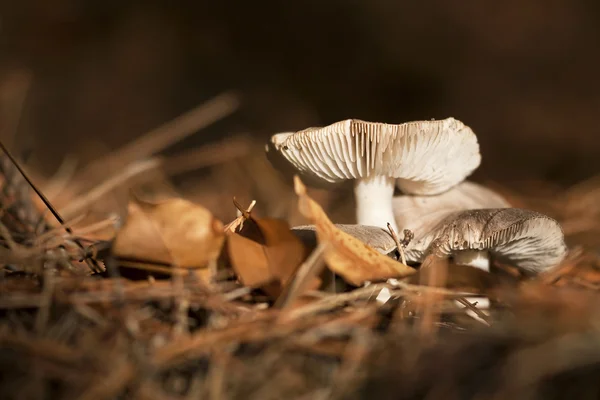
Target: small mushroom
x=525 y=239
x=421 y=214
x=423 y=157
x=374 y=236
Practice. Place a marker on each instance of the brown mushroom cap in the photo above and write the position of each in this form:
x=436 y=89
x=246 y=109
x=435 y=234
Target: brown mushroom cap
x=426 y=157
x=525 y=239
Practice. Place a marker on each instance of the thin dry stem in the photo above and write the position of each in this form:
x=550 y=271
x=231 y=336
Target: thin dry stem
x=208 y=155
x=61 y=178
x=135 y=170
x=482 y=317
x=398 y=245
x=305 y=274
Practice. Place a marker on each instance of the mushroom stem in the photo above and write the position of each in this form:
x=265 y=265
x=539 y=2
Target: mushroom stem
x=374 y=201
x=478 y=259
x=474 y=258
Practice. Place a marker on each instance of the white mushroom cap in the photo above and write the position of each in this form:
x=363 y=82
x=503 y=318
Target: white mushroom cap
x=423 y=157
x=526 y=239
x=421 y=214
x=426 y=157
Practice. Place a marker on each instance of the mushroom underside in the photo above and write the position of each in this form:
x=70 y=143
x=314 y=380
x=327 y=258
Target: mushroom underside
x=525 y=239
x=426 y=157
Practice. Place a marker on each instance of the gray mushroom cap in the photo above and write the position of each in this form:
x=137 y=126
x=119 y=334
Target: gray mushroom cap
x=425 y=157
x=525 y=239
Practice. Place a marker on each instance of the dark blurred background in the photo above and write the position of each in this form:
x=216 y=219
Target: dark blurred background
x=522 y=74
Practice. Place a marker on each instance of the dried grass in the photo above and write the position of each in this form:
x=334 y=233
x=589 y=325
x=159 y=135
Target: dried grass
x=65 y=334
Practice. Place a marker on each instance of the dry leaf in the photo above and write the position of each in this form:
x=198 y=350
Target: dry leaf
x=284 y=250
x=264 y=252
x=346 y=255
x=376 y=237
x=248 y=260
x=174 y=232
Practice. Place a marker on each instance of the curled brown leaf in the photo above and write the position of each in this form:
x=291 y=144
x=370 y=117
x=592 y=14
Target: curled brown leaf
x=346 y=255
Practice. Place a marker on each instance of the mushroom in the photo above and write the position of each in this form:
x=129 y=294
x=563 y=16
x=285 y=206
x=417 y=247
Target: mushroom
x=422 y=157
x=525 y=239
x=421 y=214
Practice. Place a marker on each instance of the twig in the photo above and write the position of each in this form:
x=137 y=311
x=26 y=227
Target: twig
x=81 y=203
x=398 y=245
x=109 y=222
x=262 y=327
x=37 y=191
x=41 y=347
x=92 y=264
x=430 y=289
x=61 y=178
x=337 y=327
x=5 y=234
x=207 y=155
x=89 y=313
x=334 y=301
x=52 y=233
x=236 y=293
x=482 y=317
x=305 y=274
x=330 y=302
